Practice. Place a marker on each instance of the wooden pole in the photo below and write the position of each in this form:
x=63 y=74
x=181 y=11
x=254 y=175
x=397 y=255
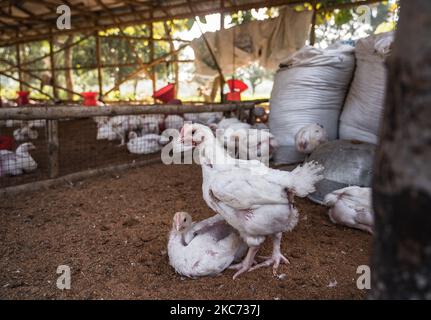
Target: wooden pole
x=175 y=63
x=53 y=144
x=221 y=79
x=153 y=69
x=99 y=69
x=74 y=111
x=313 y=25
x=52 y=62
x=18 y=64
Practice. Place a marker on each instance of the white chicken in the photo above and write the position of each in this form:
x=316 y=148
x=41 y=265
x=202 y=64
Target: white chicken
x=149 y=124
x=252 y=144
x=232 y=123
x=18 y=162
x=254 y=199
x=25 y=133
x=105 y=131
x=14 y=123
x=308 y=138
x=205 y=248
x=37 y=123
x=174 y=121
x=148 y=143
x=351 y=207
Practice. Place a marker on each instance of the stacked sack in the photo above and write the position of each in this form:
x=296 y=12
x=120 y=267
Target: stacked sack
x=360 y=119
x=310 y=87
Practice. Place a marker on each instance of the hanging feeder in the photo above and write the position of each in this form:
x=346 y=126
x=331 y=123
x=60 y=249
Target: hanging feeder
x=22 y=98
x=236 y=87
x=90 y=98
x=165 y=94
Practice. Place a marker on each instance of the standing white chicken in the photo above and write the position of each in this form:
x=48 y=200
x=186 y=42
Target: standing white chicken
x=205 y=248
x=308 y=138
x=18 y=162
x=351 y=207
x=26 y=132
x=254 y=199
x=174 y=121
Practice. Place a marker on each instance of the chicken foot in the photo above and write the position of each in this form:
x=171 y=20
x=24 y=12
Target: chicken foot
x=276 y=258
x=246 y=264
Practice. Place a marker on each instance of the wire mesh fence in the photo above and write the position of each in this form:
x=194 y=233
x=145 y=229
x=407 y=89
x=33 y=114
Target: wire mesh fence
x=33 y=150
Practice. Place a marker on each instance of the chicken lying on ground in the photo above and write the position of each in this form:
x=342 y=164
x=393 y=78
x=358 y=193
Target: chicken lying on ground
x=254 y=199
x=310 y=137
x=351 y=207
x=205 y=248
x=148 y=143
x=18 y=162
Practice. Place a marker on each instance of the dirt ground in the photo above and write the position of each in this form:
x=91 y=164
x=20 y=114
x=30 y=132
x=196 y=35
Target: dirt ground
x=112 y=232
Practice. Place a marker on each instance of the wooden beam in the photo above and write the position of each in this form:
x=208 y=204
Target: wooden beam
x=76 y=112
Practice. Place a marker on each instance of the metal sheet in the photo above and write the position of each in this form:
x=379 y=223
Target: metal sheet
x=346 y=163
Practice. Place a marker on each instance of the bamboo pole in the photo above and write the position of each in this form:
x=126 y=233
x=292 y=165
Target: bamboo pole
x=73 y=111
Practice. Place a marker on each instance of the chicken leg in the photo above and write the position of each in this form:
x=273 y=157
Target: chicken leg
x=246 y=264
x=276 y=257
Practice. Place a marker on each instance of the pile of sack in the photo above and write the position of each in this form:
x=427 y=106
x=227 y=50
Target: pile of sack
x=324 y=87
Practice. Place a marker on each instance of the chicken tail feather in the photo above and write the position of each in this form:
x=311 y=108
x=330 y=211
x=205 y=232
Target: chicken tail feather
x=305 y=177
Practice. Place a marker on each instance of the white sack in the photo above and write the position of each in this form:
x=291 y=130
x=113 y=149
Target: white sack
x=360 y=119
x=309 y=87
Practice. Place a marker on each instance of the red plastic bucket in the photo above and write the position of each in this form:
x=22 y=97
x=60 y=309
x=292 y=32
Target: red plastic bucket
x=236 y=85
x=6 y=143
x=22 y=98
x=90 y=98
x=165 y=94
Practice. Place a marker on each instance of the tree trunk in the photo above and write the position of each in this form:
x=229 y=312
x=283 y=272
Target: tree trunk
x=401 y=261
x=68 y=64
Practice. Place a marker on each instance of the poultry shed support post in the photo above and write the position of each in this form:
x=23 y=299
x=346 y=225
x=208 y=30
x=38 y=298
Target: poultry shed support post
x=251 y=116
x=53 y=147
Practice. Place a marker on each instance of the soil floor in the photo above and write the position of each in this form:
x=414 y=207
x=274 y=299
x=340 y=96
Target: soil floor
x=112 y=232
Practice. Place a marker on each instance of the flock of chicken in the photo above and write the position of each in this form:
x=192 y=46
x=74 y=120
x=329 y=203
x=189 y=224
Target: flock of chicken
x=251 y=202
